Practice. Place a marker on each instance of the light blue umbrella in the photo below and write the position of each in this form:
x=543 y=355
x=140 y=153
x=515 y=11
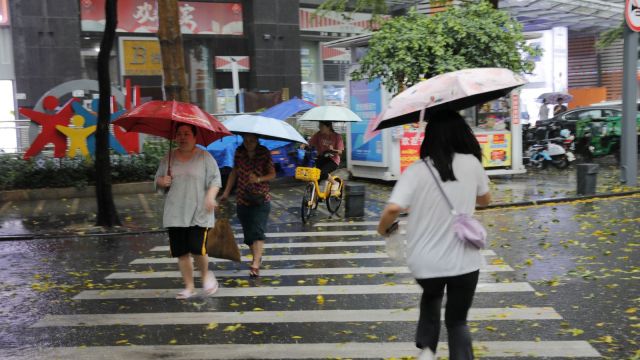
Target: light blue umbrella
x=263 y=127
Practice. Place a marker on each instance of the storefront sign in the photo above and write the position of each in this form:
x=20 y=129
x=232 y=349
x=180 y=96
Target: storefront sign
x=141 y=16
x=336 y=55
x=4 y=13
x=366 y=102
x=335 y=24
x=142 y=57
x=223 y=63
x=632 y=14
x=496 y=149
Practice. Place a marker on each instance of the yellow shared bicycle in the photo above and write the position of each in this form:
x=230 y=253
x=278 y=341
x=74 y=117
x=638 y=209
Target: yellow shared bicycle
x=312 y=194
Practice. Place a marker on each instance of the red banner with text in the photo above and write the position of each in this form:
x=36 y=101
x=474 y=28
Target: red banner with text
x=141 y=16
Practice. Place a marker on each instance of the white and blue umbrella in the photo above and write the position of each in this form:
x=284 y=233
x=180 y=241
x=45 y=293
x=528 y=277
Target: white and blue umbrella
x=263 y=127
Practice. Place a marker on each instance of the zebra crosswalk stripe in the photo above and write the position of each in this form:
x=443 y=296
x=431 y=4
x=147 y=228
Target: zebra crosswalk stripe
x=288 y=272
x=502 y=349
x=292 y=290
x=270 y=317
x=302 y=257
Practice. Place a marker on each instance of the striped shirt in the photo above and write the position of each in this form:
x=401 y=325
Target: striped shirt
x=260 y=165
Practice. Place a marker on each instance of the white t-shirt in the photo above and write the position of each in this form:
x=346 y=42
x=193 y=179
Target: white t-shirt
x=432 y=248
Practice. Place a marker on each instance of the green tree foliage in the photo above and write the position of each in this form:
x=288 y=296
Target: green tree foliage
x=409 y=48
x=610 y=36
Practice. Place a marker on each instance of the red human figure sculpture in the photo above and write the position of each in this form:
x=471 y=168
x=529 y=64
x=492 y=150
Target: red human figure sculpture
x=49 y=134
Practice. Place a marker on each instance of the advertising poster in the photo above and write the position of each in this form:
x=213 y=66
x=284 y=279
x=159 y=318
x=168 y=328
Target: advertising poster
x=366 y=102
x=412 y=137
x=496 y=149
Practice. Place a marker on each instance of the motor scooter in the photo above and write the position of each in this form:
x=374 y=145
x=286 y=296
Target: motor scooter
x=541 y=154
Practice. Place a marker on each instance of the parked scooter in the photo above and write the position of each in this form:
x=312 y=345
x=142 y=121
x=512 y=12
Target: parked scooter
x=567 y=140
x=541 y=154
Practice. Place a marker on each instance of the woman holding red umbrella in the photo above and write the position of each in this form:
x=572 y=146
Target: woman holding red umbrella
x=193 y=181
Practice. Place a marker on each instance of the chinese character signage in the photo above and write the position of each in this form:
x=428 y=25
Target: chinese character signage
x=4 y=13
x=141 y=16
x=142 y=57
x=410 y=143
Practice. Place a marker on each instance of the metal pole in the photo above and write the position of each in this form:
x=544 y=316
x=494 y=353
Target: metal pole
x=629 y=140
x=236 y=83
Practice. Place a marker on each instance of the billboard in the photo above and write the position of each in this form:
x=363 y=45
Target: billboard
x=366 y=101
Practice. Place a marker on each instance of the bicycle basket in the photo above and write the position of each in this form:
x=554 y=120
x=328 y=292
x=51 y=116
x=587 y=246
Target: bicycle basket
x=307 y=173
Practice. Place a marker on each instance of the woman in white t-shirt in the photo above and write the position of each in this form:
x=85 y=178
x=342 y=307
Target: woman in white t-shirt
x=436 y=258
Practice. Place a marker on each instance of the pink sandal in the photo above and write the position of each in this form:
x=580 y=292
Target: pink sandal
x=210 y=287
x=185 y=294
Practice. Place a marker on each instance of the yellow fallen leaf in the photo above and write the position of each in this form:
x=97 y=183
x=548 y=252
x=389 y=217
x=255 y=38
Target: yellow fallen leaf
x=173 y=341
x=574 y=332
x=212 y=326
x=232 y=328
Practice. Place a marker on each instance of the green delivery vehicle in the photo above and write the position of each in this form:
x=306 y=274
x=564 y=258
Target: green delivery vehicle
x=600 y=136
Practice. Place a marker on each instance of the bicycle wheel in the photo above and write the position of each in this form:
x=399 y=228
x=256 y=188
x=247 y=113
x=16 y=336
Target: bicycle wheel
x=333 y=202
x=306 y=208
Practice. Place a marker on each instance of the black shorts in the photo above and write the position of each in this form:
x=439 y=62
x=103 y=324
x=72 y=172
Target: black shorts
x=184 y=240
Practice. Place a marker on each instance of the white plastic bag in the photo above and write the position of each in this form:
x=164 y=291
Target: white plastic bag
x=396 y=244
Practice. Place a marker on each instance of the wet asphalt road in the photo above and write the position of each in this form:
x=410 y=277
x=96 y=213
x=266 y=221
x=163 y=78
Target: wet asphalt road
x=576 y=264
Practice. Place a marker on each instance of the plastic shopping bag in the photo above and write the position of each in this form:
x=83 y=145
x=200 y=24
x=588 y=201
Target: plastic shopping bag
x=396 y=242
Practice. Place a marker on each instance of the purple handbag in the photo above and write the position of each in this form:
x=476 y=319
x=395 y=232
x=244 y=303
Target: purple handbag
x=465 y=227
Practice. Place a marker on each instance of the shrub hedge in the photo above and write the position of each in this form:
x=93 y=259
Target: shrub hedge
x=42 y=172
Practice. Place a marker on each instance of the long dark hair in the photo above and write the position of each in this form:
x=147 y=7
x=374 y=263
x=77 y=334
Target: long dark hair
x=447 y=133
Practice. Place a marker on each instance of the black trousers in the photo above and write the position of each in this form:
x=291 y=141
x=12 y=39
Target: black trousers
x=326 y=166
x=460 y=291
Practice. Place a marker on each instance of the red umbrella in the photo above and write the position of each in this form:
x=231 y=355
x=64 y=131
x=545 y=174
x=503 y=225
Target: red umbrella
x=160 y=118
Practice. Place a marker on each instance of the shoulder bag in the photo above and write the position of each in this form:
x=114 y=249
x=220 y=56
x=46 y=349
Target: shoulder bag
x=465 y=227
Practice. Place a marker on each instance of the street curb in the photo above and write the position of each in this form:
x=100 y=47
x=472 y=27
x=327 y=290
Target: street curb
x=72 y=192
x=559 y=200
x=144 y=187
x=490 y=207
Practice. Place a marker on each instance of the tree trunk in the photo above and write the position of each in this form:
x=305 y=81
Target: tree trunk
x=175 y=78
x=107 y=213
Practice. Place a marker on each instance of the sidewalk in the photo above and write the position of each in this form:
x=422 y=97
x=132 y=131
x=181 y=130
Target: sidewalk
x=140 y=209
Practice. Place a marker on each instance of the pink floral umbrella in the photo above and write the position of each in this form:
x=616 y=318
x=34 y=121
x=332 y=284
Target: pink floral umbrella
x=455 y=90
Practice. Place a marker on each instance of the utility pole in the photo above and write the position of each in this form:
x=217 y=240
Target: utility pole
x=170 y=36
x=629 y=138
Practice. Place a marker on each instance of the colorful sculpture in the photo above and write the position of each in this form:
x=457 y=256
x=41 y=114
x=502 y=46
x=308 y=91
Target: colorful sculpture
x=77 y=135
x=91 y=119
x=49 y=122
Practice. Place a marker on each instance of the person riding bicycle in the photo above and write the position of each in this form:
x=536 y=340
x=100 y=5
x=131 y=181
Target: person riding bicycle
x=329 y=146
